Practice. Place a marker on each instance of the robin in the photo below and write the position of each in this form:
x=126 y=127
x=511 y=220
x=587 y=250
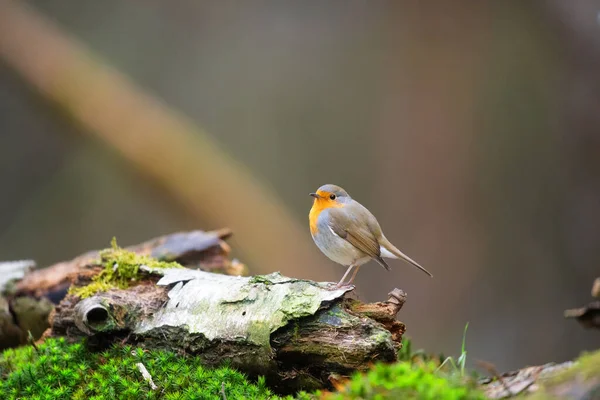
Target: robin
x=346 y=232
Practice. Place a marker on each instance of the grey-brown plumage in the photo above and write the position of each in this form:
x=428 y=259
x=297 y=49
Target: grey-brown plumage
x=348 y=233
x=362 y=236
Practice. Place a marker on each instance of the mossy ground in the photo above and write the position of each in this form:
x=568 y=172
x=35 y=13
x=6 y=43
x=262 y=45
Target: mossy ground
x=405 y=380
x=60 y=370
x=121 y=270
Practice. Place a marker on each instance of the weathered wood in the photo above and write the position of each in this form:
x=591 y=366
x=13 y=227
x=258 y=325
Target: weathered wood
x=11 y=335
x=29 y=295
x=12 y=330
x=523 y=381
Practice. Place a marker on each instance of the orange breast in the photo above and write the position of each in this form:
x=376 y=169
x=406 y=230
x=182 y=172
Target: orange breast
x=318 y=206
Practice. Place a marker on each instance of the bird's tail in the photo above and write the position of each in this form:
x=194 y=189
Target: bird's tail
x=395 y=253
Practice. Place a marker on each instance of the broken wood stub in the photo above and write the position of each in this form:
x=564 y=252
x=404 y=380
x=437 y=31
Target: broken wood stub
x=589 y=315
x=117 y=310
x=384 y=312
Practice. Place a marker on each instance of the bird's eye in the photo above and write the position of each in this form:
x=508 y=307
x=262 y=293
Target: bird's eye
x=332 y=197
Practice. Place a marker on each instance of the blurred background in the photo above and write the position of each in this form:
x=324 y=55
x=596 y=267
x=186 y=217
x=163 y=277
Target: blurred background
x=471 y=130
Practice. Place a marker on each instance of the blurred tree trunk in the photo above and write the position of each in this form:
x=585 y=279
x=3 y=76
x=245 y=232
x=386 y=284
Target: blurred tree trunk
x=429 y=103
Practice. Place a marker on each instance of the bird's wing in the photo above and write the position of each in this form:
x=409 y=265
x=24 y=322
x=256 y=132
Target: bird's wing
x=357 y=234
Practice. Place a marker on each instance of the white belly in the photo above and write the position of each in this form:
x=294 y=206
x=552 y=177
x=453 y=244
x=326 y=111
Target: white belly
x=338 y=249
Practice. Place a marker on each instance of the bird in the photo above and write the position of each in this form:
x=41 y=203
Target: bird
x=348 y=233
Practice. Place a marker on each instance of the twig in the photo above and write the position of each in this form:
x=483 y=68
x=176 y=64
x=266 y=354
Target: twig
x=146 y=375
x=126 y=338
x=31 y=341
x=223 y=391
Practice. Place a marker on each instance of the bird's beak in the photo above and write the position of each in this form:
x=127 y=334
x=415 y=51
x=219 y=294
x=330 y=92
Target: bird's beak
x=316 y=196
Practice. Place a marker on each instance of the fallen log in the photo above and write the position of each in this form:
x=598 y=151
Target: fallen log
x=296 y=333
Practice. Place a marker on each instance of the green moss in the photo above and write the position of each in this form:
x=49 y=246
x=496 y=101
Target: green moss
x=121 y=269
x=59 y=370
x=405 y=380
x=587 y=366
x=408 y=353
x=581 y=380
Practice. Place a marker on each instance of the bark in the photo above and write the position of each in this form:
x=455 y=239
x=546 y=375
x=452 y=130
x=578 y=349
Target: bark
x=521 y=382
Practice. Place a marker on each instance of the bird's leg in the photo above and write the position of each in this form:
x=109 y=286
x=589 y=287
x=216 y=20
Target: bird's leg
x=354 y=275
x=340 y=283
